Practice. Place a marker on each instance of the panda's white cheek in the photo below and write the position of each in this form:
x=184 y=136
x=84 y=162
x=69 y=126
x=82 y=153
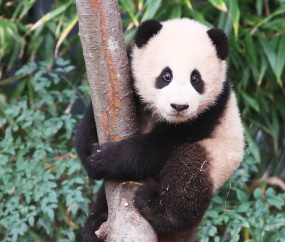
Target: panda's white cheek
x=147 y=92
x=194 y=100
x=162 y=101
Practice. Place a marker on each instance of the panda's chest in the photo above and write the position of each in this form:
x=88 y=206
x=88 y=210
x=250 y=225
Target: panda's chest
x=146 y=126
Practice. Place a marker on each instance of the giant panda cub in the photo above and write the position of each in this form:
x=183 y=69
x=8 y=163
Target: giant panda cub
x=190 y=133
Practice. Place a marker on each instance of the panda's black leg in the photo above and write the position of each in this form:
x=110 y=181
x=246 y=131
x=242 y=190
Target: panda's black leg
x=86 y=139
x=98 y=215
x=161 y=210
x=183 y=194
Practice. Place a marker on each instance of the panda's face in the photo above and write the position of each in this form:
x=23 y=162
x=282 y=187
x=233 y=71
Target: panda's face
x=178 y=73
x=179 y=94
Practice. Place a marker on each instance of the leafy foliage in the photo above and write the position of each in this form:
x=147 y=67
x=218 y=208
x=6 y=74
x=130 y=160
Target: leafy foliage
x=43 y=185
x=44 y=192
x=241 y=213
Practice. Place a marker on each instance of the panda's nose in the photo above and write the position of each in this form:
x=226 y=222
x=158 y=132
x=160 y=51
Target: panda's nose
x=179 y=107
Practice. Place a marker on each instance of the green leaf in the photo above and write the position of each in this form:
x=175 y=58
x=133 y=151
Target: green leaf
x=269 y=51
x=15 y=237
x=79 y=180
x=176 y=12
x=128 y=5
x=262 y=70
x=130 y=35
x=27 y=69
x=19 y=89
x=51 y=214
x=188 y=3
x=250 y=101
x=274 y=128
x=259 y=5
x=235 y=12
x=244 y=208
x=50 y=16
x=250 y=49
x=241 y=195
x=218 y=200
x=276 y=201
x=213 y=214
x=219 y=4
x=266 y=20
x=74 y=208
x=198 y=16
x=253 y=148
x=280 y=60
x=257 y=193
x=151 y=9
x=31 y=220
x=67 y=28
x=270 y=193
x=61 y=62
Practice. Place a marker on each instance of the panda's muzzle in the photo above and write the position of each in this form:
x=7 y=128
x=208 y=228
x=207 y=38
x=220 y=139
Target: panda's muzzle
x=179 y=107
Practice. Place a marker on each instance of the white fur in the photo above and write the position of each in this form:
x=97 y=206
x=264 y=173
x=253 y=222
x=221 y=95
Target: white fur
x=183 y=45
x=225 y=148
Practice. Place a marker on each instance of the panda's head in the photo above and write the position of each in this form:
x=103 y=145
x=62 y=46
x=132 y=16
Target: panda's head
x=179 y=67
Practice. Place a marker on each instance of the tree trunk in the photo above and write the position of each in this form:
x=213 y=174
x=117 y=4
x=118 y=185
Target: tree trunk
x=101 y=34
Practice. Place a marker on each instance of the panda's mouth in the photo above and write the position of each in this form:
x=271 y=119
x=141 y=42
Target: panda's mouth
x=179 y=116
x=176 y=115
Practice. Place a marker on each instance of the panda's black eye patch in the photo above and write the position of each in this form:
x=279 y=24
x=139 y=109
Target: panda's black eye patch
x=164 y=78
x=197 y=81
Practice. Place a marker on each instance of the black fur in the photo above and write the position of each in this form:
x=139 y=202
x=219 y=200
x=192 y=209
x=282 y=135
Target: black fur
x=97 y=216
x=220 y=41
x=160 y=82
x=145 y=31
x=86 y=139
x=199 y=86
x=129 y=53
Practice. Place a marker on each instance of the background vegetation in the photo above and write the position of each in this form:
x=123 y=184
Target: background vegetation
x=44 y=191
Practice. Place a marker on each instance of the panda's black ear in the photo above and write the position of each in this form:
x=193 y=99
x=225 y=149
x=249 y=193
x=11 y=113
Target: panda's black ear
x=220 y=41
x=145 y=31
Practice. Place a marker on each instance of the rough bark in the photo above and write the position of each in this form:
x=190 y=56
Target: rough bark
x=101 y=34
x=124 y=221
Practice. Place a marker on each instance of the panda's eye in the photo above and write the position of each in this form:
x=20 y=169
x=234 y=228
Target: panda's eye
x=197 y=81
x=194 y=79
x=167 y=76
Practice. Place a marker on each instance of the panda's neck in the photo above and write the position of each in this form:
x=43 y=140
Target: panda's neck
x=207 y=122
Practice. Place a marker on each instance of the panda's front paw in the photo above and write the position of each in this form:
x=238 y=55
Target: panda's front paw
x=96 y=164
x=101 y=162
